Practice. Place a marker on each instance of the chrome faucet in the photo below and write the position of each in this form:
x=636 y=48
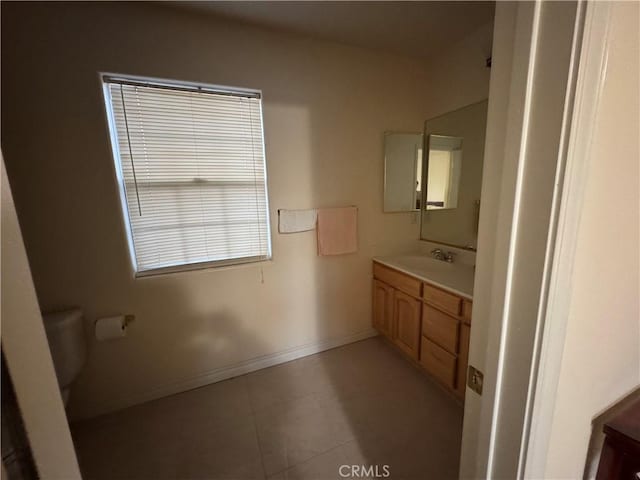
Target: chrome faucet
x=443 y=256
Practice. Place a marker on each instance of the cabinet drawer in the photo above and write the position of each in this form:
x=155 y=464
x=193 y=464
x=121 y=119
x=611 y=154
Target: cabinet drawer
x=403 y=282
x=440 y=328
x=466 y=310
x=446 y=301
x=438 y=362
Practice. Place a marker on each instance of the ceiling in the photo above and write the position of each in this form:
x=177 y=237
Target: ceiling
x=420 y=29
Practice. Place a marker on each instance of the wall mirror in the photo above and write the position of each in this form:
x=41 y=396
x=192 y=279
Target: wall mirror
x=402 y=171
x=453 y=176
x=443 y=177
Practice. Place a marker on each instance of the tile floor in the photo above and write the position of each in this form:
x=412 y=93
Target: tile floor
x=361 y=404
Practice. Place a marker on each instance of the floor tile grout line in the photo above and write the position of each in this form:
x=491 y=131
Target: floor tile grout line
x=315 y=456
x=255 y=425
x=325 y=454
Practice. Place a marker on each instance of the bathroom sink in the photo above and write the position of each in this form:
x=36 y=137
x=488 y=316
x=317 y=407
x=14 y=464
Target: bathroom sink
x=456 y=277
x=424 y=263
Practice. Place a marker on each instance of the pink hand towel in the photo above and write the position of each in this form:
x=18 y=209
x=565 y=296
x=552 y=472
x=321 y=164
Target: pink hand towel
x=337 y=230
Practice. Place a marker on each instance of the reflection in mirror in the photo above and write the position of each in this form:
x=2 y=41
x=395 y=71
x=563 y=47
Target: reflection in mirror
x=443 y=178
x=402 y=172
x=453 y=183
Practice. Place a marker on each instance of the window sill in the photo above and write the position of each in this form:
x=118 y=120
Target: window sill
x=193 y=267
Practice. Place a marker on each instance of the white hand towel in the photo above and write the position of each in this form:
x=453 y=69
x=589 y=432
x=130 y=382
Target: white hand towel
x=292 y=221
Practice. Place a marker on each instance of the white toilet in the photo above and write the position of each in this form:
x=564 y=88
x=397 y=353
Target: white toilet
x=67 y=342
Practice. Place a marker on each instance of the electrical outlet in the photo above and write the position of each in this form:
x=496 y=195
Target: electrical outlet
x=475 y=379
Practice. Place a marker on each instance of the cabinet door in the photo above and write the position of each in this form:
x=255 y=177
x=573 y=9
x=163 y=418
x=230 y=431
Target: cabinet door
x=383 y=308
x=406 y=314
x=463 y=360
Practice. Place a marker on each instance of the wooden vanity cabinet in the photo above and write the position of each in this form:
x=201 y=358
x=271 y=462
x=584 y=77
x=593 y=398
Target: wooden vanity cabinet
x=463 y=359
x=429 y=324
x=446 y=320
x=466 y=311
x=397 y=307
x=398 y=280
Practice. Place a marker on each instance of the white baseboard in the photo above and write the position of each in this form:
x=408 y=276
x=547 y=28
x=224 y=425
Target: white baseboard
x=229 y=371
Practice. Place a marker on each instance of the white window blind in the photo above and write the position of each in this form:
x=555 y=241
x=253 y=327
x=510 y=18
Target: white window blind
x=191 y=168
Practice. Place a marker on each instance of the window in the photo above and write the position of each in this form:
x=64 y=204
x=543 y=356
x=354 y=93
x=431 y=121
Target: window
x=191 y=167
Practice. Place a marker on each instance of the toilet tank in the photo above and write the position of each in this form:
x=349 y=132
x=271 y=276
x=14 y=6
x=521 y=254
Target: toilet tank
x=65 y=332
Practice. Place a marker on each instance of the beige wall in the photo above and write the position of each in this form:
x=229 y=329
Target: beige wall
x=459 y=76
x=601 y=357
x=326 y=107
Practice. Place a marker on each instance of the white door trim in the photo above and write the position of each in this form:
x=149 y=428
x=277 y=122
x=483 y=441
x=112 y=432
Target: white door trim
x=512 y=46
x=591 y=75
x=522 y=158
x=567 y=118
x=516 y=255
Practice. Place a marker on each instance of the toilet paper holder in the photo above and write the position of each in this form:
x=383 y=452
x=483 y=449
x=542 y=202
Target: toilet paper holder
x=114 y=327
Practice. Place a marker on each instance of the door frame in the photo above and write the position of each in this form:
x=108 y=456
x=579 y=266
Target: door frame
x=590 y=71
x=512 y=86
x=26 y=350
x=509 y=109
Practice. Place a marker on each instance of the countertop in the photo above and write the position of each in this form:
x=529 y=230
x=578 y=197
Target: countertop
x=453 y=277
